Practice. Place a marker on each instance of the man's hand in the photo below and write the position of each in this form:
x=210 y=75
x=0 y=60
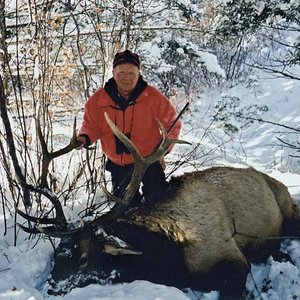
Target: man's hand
x=82 y=140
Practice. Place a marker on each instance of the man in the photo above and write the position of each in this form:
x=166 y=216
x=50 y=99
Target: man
x=133 y=105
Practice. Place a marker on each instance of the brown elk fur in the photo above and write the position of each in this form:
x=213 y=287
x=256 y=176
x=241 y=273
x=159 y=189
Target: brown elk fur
x=221 y=214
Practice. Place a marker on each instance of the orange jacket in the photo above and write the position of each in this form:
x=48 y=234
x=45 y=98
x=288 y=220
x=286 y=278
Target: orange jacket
x=139 y=120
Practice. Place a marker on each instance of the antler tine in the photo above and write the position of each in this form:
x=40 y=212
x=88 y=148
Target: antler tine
x=71 y=146
x=111 y=196
x=32 y=230
x=124 y=139
x=164 y=145
x=43 y=220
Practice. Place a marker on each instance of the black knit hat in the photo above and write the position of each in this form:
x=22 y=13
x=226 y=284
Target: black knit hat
x=126 y=57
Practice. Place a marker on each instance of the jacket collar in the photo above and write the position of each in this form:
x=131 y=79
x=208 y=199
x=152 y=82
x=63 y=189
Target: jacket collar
x=111 y=89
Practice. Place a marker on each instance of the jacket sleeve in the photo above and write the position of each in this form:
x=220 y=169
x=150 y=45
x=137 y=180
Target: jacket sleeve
x=166 y=114
x=91 y=121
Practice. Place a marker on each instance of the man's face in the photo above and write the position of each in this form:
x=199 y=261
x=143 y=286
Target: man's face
x=126 y=76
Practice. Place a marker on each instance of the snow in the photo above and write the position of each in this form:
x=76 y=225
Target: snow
x=143 y=289
x=211 y=63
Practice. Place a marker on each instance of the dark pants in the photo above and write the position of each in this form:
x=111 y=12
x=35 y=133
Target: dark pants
x=154 y=181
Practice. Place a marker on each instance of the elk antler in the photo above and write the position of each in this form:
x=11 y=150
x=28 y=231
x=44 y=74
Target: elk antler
x=59 y=222
x=140 y=166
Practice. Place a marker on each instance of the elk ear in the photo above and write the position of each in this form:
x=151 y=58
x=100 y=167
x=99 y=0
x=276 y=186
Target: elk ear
x=117 y=250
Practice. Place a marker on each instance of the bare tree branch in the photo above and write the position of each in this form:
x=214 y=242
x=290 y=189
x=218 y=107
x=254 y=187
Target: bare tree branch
x=270 y=122
x=11 y=144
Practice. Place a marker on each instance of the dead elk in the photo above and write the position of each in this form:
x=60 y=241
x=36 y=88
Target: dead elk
x=204 y=237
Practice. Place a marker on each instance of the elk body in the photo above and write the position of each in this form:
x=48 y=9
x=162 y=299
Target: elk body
x=204 y=236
